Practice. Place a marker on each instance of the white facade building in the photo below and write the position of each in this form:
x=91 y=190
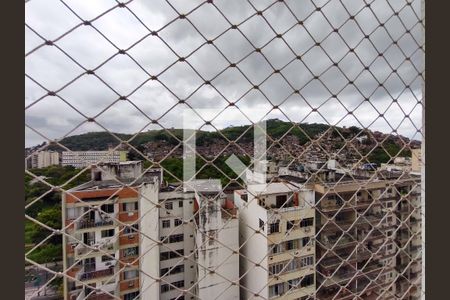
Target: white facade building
x=81 y=159
x=216 y=242
x=276 y=233
x=169 y=239
x=43 y=159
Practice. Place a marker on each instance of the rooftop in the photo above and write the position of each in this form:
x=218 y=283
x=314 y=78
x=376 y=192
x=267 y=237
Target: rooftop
x=203 y=186
x=273 y=188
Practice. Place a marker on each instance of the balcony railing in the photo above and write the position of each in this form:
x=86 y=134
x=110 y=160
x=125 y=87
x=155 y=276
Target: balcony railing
x=89 y=275
x=337 y=242
x=81 y=249
x=91 y=223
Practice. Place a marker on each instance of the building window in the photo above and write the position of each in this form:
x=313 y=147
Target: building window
x=130 y=206
x=307 y=222
x=306 y=261
x=130 y=274
x=274 y=249
x=107 y=258
x=291 y=245
x=305 y=241
x=133 y=251
x=171 y=271
x=165 y=223
x=289 y=225
x=276 y=290
x=71 y=213
x=293 y=283
x=179 y=284
x=107 y=233
x=176 y=238
x=261 y=224
x=390 y=204
x=274 y=227
x=307 y=280
x=165 y=288
x=178 y=222
x=131 y=296
x=168 y=205
x=131 y=229
x=107 y=208
x=171 y=254
x=282 y=201
x=275 y=268
x=180 y=203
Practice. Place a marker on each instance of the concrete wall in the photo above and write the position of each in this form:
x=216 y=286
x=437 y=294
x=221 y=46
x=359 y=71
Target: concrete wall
x=416 y=160
x=148 y=248
x=254 y=246
x=47 y=158
x=217 y=238
x=184 y=213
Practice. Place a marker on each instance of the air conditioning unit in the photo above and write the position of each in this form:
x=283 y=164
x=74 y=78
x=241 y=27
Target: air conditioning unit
x=131 y=283
x=108 y=263
x=307 y=229
x=130 y=237
x=270 y=257
x=296 y=253
x=130 y=214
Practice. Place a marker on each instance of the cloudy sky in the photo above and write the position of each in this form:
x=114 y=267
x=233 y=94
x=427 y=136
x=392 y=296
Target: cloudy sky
x=311 y=56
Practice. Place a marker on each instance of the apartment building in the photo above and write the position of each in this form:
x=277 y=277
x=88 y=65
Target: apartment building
x=216 y=241
x=42 y=159
x=407 y=209
x=276 y=233
x=81 y=159
x=146 y=240
x=416 y=160
x=101 y=251
x=366 y=236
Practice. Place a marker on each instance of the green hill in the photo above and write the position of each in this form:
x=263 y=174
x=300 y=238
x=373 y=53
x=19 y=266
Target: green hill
x=103 y=140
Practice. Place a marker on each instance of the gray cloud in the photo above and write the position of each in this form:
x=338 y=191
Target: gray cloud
x=52 y=69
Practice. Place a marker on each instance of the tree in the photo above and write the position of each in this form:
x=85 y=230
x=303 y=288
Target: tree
x=52 y=218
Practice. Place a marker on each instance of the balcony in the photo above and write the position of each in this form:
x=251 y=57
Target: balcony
x=90 y=275
x=100 y=297
x=82 y=249
x=414 y=250
x=337 y=242
x=333 y=292
x=92 y=223
x=344 y=276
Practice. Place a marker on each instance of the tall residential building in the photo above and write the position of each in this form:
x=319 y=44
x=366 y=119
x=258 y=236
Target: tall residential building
x=216 y=241
x=416 y=160
x=368 y=236
x=102 y=249
x=47 y=158
x=147 y=240
x=328 y=234
x=43 y=159
x=81 y=159
x=277 y=229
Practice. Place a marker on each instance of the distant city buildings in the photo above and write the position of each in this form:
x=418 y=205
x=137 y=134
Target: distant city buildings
x=314 y=231
x=277 y=232
x=42 y=159
x=81 y=159
x=416 y=160
x=148 y=240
